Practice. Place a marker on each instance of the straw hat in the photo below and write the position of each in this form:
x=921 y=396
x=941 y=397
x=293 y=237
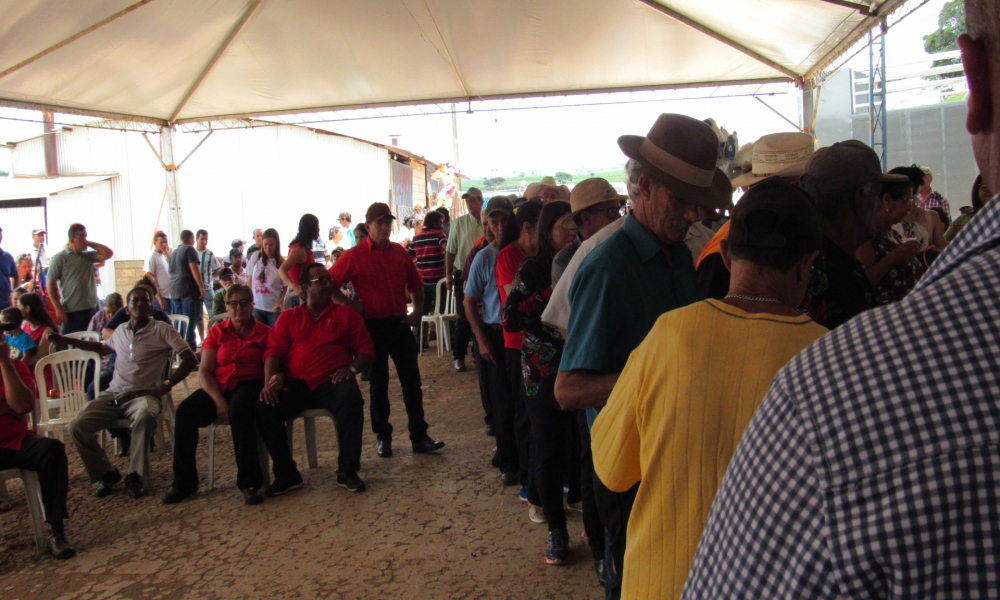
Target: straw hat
x=777 y=155
x=682 y=152
x=587 y=193
x=534 y=189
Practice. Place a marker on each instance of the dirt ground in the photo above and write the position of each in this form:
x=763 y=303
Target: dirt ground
x=429 y=526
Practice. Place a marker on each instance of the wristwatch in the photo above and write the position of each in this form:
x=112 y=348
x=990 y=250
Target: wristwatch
x=352 y=369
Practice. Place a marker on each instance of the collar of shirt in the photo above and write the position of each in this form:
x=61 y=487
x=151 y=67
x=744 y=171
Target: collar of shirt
x=645 y=245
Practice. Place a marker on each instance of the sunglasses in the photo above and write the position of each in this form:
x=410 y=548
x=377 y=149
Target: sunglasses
x=322 y=280
x=612 y=212
x=239 y=303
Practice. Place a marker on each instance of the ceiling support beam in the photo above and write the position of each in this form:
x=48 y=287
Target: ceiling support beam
x=73 y=38
x=215 y=58
x=673 y=14
x=861 y=8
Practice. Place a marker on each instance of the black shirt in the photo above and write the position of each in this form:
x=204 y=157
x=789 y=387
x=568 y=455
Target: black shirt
x=713 y=277
x=838 y=289
x=182 y=281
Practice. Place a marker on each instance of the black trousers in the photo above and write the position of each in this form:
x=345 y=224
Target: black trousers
x=47 y=457
x=343 y=400
x=551 y=429
x=591 y=519
x=77 y=320
x=522 y=423
x=501 y=403
x=197 y=411
x=462 y=330
x=393 y=338
x=484 y=383
x=615 y=509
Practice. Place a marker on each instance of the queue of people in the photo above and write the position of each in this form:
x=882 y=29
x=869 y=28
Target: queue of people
x=800 y=407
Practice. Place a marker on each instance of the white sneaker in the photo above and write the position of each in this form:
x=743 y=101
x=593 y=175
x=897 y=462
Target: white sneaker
x=536 y=514
x=577 y=506
x=460 y=365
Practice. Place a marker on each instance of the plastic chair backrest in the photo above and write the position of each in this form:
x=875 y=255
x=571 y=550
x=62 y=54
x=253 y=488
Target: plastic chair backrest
x=69 y=381
x=449 y=305
x=87 y=336
x=437 y=298
x=181 y=324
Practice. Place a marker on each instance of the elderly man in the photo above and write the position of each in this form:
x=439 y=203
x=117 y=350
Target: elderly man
x=870 y=469
x=315 y=352
x=465 y=231
x=595 y=205
x=641 y=271
x=662 y=404
x=71 y=283
x=548 y=190
x=144 y=347
x=381 y=272
x=22 y=449
x=38 y=248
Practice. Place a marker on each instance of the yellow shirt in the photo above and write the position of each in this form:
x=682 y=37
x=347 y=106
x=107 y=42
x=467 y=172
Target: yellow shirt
x=673 y=421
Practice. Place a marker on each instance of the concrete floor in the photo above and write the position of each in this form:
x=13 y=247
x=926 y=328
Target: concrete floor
x=429 y=526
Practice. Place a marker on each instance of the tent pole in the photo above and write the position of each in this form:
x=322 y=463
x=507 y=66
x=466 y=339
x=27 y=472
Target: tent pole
x=175 y=219
x=808 y=116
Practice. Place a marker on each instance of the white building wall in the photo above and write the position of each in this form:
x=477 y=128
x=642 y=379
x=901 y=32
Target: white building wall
x=87 y=205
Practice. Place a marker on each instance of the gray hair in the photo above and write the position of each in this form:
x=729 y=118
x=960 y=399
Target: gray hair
x=633 y=171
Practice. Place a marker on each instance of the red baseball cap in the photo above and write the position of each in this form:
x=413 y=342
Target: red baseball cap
x=377 y=212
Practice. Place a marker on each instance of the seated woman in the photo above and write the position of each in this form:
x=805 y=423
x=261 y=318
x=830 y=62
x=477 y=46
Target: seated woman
x=891 y=264
x=232 y=378
x=38 y=324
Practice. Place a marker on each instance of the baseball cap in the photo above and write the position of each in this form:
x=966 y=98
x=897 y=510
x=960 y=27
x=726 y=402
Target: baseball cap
x=377 y=212
x=225 y=272
x=778 y=215
x=237 y=243
x=473 y=192
x=530 y=211
x=845 y=166
x=498 y=204
x=37 y=231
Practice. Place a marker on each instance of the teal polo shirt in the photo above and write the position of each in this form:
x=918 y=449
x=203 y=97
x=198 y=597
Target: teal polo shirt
x=620 y=290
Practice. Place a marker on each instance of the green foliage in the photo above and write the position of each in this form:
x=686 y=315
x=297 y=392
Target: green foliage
x=493 y=183
x=951 y=24
x=563 y=177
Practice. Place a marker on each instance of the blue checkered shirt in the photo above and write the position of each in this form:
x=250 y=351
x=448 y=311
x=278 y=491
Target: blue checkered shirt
x=872 y=468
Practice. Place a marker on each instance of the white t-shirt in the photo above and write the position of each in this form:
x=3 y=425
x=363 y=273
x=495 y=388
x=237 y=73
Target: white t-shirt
x=159 y=266
x=267 y=292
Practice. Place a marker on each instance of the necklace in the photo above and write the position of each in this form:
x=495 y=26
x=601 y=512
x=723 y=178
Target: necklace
x=754 y=298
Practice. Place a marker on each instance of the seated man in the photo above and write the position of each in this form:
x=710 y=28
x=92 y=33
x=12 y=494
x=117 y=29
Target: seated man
x=21 y=450
x=144 y=346
x=321 y=347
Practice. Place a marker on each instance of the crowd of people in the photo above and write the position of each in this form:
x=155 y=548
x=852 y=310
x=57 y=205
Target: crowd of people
x=791 y=395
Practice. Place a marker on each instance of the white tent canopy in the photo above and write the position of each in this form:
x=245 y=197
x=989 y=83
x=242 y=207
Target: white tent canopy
x=166 y=61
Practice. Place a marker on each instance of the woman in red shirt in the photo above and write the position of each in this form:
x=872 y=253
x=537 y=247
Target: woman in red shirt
x=300 y=254
x=232 y=378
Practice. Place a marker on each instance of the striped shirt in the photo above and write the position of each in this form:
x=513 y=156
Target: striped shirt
x=429 y=247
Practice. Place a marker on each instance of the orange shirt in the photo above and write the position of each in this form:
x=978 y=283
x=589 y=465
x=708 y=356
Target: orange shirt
x=237 y=359
x=381 y=277
x=314 y=350
x=713 y=245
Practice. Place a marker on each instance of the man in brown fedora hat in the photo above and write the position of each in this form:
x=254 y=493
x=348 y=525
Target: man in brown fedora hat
x=640 y=272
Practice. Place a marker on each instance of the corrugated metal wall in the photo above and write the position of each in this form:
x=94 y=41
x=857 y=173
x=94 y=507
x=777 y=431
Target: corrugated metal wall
x=419 y=183
x=402 y=187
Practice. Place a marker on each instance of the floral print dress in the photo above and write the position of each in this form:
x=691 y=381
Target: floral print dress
x=542 y=346
x=902 y=278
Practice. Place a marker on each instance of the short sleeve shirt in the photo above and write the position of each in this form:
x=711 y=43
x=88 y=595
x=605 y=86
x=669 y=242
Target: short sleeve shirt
x=238 y=359
x=159 y=266
x=182 y=281
x=381 y=277
x=464 y=232
x=74 y=274
x=508 y=262
x=8 y=269
x=481 y=282
x=142 y=355
x=208 y=263
x=620 y=291
x=20 y=344
x=13 y=427
x=838 y=288
x=266 y=289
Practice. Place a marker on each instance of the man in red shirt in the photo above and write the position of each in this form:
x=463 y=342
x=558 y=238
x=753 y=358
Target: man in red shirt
x=315 y=351
x=21 y=449
x=382 y=272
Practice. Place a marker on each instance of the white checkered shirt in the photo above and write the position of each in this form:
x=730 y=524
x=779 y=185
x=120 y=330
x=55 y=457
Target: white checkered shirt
x=872 y=468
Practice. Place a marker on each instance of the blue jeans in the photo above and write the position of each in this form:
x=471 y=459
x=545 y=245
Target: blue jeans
x=190 y=307
x=266 y=317
x=207 y=300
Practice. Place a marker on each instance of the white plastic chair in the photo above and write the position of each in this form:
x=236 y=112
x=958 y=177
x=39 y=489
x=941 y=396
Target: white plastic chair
x=261 y=452
x=69 y=379
x=87 y=336
x=33 y=494
x=309 y=422
x=438 y=318
x=181 y=324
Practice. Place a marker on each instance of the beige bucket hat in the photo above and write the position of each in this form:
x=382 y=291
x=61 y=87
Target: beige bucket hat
x=587 y=193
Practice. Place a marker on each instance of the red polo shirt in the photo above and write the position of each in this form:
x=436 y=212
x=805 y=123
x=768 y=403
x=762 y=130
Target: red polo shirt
x=380 y=276
x=312 y=350
x=508 y=263
x=13 y=427
x=237 y=359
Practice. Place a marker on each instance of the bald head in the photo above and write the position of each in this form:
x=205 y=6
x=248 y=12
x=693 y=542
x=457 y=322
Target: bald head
x=981 y=57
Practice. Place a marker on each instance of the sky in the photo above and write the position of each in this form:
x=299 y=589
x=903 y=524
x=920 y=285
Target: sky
x=571 y=139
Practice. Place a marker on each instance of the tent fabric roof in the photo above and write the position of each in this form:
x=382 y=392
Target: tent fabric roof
x=16 y=188
x=190 y=60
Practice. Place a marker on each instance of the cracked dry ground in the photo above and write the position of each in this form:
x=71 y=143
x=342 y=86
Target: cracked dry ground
x=429 y=526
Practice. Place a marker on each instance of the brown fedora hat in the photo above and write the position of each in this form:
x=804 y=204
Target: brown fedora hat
x=681 y=153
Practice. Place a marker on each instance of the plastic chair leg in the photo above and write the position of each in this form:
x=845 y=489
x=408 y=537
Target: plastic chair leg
x=420 y=341
x=310 y=427
x=32 y=492
x=211 y=457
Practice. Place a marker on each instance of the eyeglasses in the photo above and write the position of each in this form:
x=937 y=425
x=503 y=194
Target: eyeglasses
x=612 y=212
x=239 y=303
x=325 y=280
